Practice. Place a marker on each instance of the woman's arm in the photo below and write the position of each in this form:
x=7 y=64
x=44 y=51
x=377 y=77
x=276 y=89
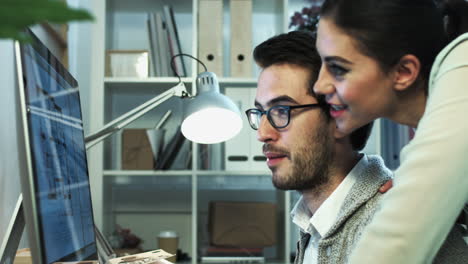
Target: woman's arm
x=431 y=185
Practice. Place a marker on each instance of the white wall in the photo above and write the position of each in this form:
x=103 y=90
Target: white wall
x=82 y=45
x=9 y=165
x=79 y=57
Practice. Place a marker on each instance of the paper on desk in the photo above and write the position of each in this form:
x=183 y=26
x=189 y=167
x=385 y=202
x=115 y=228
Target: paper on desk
x=150 y=257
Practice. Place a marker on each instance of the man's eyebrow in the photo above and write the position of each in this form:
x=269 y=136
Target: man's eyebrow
x=337 y=58
x=277 y=100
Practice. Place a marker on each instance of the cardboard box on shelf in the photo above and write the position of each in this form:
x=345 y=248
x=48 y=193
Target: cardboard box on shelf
x=136 y=150
x=242 y=224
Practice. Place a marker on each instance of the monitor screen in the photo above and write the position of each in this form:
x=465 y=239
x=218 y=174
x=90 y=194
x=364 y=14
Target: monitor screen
x=56 y=192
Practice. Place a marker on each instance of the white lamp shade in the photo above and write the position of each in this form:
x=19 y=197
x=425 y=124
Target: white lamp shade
x=210 y=117
x=211 y=123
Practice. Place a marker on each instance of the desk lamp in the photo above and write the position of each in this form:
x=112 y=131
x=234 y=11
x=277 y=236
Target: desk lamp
x=209 y=117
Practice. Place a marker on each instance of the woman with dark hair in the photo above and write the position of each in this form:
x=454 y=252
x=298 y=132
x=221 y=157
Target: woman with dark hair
x=405 y=60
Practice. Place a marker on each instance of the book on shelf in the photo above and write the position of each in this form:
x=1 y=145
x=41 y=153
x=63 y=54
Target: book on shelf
x=155 y=67
x=174 y=42
x=172 y=151
x=158 y=42
x=183 y=159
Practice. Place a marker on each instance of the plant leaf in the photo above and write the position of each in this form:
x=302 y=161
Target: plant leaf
x=16 y=15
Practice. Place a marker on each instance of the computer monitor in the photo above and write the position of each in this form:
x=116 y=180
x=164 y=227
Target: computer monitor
x=56 y=191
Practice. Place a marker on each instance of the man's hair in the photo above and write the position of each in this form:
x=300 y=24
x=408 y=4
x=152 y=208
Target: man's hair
x=298 y=48
x=295 y=47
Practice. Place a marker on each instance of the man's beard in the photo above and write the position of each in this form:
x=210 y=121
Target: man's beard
x=310 y=163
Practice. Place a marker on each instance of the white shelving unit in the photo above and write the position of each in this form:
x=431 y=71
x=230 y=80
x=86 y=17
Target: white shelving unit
x=148 y=201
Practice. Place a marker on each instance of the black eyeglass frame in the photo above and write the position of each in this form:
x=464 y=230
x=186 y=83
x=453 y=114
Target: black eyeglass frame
x=267 y=113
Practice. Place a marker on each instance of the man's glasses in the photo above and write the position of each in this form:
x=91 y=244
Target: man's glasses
x=278 y=115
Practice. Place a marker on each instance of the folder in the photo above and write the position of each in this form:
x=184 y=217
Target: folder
x=244 y=151
x=210 y=35
x=241 y=38
x=238 y=148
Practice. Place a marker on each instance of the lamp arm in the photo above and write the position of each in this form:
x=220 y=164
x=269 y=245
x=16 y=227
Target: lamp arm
x=127 y=118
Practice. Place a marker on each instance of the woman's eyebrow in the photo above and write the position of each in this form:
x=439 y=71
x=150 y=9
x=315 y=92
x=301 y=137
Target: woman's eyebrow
x=337 y=58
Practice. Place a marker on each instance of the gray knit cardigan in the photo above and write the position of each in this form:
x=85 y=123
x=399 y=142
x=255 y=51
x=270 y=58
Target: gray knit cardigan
x=357 y=211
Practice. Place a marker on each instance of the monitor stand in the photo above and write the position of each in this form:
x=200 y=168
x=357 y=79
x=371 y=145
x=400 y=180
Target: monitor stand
x=13 y=234
x=15 y=229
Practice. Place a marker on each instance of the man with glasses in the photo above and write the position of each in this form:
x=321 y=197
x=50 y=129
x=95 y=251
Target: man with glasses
x=340 y=187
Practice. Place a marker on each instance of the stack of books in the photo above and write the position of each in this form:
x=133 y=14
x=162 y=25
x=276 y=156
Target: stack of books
x=164 y=44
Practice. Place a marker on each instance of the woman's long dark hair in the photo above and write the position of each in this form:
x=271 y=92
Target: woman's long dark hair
x=386 y=30
x=455 y=17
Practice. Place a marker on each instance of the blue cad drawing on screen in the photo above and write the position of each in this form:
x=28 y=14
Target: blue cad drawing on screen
x=56 y=205
x=58 y=155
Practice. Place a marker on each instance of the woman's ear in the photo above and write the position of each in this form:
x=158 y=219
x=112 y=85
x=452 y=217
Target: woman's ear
x=406 y=72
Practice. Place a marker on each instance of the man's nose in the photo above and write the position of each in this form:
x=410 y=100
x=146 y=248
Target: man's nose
x=266 y=132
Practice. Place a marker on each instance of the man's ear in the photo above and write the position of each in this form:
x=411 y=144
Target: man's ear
x=406 y=72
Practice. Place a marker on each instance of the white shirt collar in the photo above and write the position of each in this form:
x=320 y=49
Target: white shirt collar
x=326 y=214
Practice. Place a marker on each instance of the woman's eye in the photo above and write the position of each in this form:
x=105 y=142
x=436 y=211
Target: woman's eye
x=337 y=70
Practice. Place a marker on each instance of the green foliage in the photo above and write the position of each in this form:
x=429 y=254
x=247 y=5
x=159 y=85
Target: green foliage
x=16 y=15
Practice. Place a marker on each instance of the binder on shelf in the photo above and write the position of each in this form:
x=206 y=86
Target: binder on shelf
x=258 y=159
x=238 y=148
x=241 y=38
x=394 y=137
x=244 y=151
x=210 y=35
x=174 y=42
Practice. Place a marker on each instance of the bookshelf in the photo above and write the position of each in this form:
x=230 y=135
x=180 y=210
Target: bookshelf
x=148 y=201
